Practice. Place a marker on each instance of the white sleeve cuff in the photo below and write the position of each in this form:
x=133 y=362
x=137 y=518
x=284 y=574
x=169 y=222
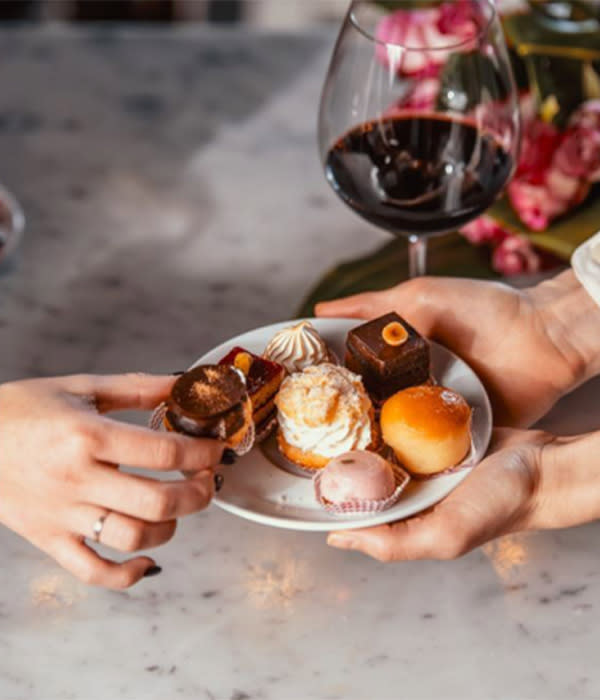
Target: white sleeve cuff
x=586 y=266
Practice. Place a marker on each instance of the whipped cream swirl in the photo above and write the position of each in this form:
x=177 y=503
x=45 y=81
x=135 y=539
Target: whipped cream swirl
x=326 y=410
x=297 y=347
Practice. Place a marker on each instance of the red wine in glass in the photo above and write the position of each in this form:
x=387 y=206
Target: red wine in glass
x=418 y=172
x=412 y=174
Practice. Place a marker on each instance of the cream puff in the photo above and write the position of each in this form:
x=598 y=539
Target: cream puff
x=428 y=428
x=323 y=412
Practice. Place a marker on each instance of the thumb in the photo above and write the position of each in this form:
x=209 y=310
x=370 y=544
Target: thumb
x=424 y=537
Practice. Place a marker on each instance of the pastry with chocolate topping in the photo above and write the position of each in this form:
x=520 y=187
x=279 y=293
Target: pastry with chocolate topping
x=389 y=355
x=263 y=379
x=212 y=401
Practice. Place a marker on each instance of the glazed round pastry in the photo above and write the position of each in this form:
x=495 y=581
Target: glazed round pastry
x=357 y=475
x=428 y=427
x=298 y=347
x=212 y=401
x=323 y=412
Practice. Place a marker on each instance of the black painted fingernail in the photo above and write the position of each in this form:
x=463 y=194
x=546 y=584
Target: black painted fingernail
x=219 y=481
x=152 y=571
x=177 y=374
x=229 y=457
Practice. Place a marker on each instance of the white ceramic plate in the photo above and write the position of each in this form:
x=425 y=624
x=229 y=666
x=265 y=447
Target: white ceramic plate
x=257 y=489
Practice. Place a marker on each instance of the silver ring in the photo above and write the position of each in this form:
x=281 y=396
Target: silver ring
x=98 y=526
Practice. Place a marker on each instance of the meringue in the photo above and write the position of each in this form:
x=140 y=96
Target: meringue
x=297 y=348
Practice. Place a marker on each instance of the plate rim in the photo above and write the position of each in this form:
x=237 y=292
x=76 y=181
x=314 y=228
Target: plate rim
x=342 y=524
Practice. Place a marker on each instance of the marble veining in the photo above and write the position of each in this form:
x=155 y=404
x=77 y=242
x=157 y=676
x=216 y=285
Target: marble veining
x=174 y=198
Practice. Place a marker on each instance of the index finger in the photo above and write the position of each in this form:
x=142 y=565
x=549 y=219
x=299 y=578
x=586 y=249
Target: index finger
x=415 y=300
x=120 y=443
x=119 y=392
x=365 y=305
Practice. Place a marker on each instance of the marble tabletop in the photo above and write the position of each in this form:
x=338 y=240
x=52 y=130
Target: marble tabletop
x=174 y=198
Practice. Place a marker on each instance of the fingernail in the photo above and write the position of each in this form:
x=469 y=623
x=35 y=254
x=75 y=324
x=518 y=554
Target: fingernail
x=342 y=541
x=153 y=571
x=219 y=481
x=177 y=374
x=229 y=457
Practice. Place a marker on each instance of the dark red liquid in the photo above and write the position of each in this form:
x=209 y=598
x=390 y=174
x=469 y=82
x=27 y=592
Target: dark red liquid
x=418 y=174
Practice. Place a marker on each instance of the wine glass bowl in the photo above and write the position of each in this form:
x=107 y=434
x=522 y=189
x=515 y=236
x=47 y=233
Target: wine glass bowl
x=419 y=126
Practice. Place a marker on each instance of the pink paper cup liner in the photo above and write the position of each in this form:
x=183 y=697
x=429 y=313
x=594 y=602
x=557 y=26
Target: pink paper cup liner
x=363 y=506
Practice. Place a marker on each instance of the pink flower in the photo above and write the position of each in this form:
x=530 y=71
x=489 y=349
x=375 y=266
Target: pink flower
x=528 y=106
x=457 y=18
x=484 y=230
x=555 y=169
x=587 y=115
x=437 y=29
x=537 y=205
x=533 y=203
x=422 y=96
x=537 y=150
x=408 y=28
x=579 y=152
x=516 y=256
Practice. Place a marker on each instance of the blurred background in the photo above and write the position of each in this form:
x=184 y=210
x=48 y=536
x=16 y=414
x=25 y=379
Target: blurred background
x=262 y=13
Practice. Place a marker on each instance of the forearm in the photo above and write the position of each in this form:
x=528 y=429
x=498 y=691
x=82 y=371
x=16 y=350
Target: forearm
x=572 y=322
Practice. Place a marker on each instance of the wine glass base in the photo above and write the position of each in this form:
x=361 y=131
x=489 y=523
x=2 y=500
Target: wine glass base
x=12 y=226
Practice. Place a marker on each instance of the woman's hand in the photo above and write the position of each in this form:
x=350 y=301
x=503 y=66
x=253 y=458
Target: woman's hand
x=530 y=481
x=59 y=458
x=529 y=347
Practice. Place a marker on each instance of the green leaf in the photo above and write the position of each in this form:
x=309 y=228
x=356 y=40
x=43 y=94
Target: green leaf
x=449 y=255
x=530 y=34
x=563 y=235
x=558 y=57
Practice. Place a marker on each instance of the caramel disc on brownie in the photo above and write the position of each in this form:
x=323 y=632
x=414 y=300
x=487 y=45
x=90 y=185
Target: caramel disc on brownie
x=210 y=401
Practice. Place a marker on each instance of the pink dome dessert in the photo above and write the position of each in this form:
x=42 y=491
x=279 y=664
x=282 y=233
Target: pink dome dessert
x=357 y=475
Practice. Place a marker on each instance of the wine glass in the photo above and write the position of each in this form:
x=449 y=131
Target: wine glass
x=419 y=127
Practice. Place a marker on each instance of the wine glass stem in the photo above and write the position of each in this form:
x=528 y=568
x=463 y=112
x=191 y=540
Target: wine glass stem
x=417 y=256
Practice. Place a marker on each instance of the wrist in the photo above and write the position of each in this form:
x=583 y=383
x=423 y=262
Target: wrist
x=568 y=490
x=571 y=320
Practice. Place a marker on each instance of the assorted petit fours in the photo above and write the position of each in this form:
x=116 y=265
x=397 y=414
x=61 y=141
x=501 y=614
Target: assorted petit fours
x=324 y=411
x=428 y=428
x=326 y=414
x=263 y=379
x=298 y=347
x=389 y=355
x=212 y=401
